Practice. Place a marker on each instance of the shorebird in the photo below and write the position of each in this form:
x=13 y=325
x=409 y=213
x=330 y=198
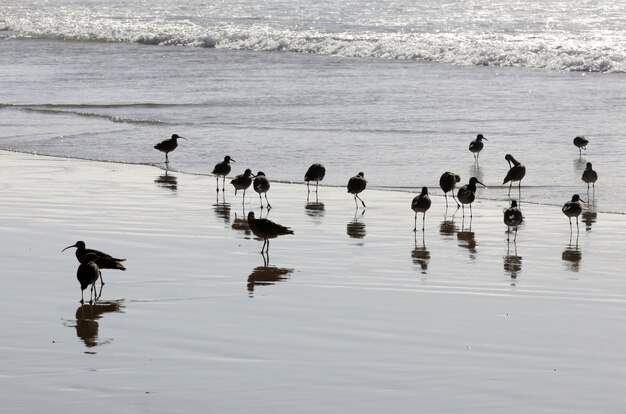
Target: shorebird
x=357 y=184
x=266 y=229
x=421 y=204
x=447 y=182
x=169 y=145
x=316 y=172
x=573 y=208
x=242 y=182
x=512 y=218
x=222 y=169
x=103 y=260
x=581 y=142
x=87 y=274
x=467 y=194
x=516 y=173
x=477 y=145
x=590 y=176
x=262 y=185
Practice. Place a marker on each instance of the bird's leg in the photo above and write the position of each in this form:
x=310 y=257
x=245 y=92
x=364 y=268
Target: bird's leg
x=463 y=205
x=456 y=201
x=261 y=200
x=508 y=233
x=317 y=183
x=423 y=222
x=515 y=238
x=577 y=229
x=471 y=210
x=223 y=182
x=268 y=203
x=244 y=196
x=101 y=280
x=415 y=226
x=357 y=196
x=263 y=247
x=355 y=203
x=307 y=190
x=570 y=226
x=446 y=195
x=510 y=184
x=82 y=299
x=217 y=181
x=100 y=293
x=519 y=191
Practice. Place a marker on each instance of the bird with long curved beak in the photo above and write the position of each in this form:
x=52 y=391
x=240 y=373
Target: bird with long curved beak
x=169 y=145
x=102 y=260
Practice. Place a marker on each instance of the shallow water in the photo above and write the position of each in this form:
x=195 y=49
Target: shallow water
x=353 y=312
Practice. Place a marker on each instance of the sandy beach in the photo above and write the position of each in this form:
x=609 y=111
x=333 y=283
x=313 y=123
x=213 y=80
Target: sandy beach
x=353 y=313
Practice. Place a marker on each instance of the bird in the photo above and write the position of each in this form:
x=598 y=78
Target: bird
x=262 y=185
x=266 y=229
x=477 y=145
x=581 y=142
x=447 y=182
x=516 y=173
x=242 y=182
x=103 y=260
x=357 y=184
x=87 y=274
x=467 y=193
x=222 y=169
x=590 y=176
x=316 y=172
x=421 y=204
x=573 y=208
x=512 y=218
x=169 y=145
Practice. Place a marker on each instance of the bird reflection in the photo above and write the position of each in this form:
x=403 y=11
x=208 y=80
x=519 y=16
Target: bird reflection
x=467 y=239
x=266 y=275
x=356 y=229
x=222 y=208
x=447 y=227
x=512 y=262
x=580 y=164
x=572 y=256
x=168 y=181
x=589 y=217
x=87 y=317
x=241 y=224
x=421 y=256
x=314 y=209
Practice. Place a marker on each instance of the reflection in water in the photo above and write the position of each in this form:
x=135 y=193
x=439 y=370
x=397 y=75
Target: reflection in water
x=87 y=317
x=421 y=256
x=266 y=275
x=447 y=227
x=589 y=217
x=475 y=171
x=356 y=228
x=580 y=164
x=241 y=224
x=168 y=181
x=512 y=262
x=222 y=209
x=467 y=239
x=572 y=256
x=315 y=210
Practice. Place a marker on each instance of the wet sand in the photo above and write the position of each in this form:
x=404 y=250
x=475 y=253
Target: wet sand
x=354 y=313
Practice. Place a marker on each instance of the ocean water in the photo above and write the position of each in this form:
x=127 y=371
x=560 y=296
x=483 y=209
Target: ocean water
x=394 y=90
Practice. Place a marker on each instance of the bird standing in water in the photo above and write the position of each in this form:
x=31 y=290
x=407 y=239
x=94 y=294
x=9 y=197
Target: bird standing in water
x=516 y=173
x=222 y=169
x=102 y=260
x=266 y=229
x=169 y=145
x=581 y=142
x=262 y=185
x=242 y=182
x=467 y=194
x=573 y=208
x=421 y=204
x=512 y=218
x=476 y=146
x=357 y=184
x=87 y=274
x=447 y=182
x=316 y=172
x=590 y=177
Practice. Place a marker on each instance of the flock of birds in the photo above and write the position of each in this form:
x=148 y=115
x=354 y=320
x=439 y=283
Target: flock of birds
x=92 y=261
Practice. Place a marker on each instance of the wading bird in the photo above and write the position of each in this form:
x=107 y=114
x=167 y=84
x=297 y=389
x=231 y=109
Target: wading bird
x=222 y=169
x=421 y=204
x=581 y=143
x=512 y=218
x=467 y=194
x=242 y=182
x=477 y=145
x=87 y=274
x=573 y=208
x=316 y=172
x=262 y=185
x=590 y=177
x=169 y=145
x=447 y=182
x=357 y=184
x=103 y=260
x=266 y=229
x=516 y=173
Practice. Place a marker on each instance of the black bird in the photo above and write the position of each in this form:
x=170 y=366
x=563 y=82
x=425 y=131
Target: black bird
x=512 y=218
x=103 y=260
x=222 y=169
x=316 y=172
x=357 y=184
x=477 y=145
x=262 y=185
x=516 y=173
x=581 y=143
x=242 y=182
x=467 y=193
x=169 y=145
x=87 y=274
x=447 y=182
x=573 y=208
x=421 y=204
x=266 y=229
x=590 y=177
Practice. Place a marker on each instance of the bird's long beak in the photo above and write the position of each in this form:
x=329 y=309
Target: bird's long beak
x=582 y=201
x=481 y=184
x=485 y=139
x=73 y=245
x=233 y=160
x=183 y=138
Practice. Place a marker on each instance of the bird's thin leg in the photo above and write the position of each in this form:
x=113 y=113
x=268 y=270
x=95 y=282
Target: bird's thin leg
x=471 y=210
x=261 y=200
x=263 y=248
x=463 y=205
x=357 y=196
x=307 y=189
x=510 y=184
x=446 y=195
x=415 y=227
x=515 y=238
x=355 y=203
x=268 y=203
x=101 y=280
x=508 y=233
x=167 y=161
x=217 y=181
x=519 y=191
x=244 y=197
x=223 y=182
x=577 y=229
x=570 y=225
x=423 y=222
x=317 y=184
x=456 y=201
x=100 y=292
x=82 y=299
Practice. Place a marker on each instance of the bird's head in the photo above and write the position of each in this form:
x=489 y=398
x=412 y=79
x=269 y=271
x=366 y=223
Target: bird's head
x=79 y=245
